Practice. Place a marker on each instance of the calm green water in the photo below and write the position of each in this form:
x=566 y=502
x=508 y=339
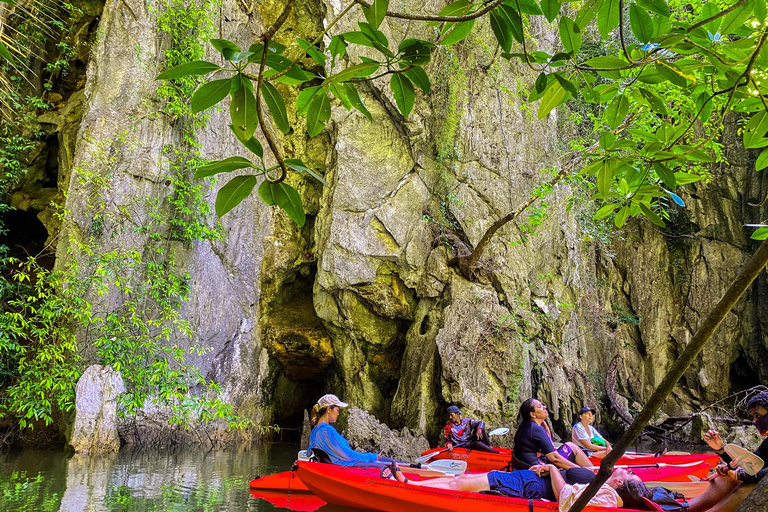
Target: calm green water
x=143 y=480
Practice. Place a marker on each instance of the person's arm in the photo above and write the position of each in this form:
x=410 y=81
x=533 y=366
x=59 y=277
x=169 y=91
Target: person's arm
x=557 y=480
x=338 y=449
x=447 y=436
x=560 y=461
x=712 y=438
x=545 y=446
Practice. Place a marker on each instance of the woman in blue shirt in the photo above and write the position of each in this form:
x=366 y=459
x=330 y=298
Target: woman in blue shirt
x=324 y=437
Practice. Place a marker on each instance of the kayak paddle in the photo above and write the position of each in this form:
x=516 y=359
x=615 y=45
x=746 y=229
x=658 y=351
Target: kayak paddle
x=446 y=467
x=425 y=458
x=653 y=465
x=744 y=459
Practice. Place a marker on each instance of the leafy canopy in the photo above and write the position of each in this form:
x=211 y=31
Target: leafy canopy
x=661 y=86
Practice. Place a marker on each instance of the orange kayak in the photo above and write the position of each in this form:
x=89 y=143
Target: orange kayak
x=482 y=462
x=354 y=487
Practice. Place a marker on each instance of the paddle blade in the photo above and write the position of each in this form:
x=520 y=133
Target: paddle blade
x=499 y=431
x=449 y=467
x=745 y=459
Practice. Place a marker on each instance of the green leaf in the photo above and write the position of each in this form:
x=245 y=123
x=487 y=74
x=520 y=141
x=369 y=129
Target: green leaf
x=319 y=112
x=656 y=103
x=210 y=94
x=455 y=32
x=233 y=193
x=405 y=96
x=284 y=196
x=514 y=21
x=197 y=67
x=294 y=76
x=670 y=72
x=6 y=54
x=502 y=30
x=762 y=161
x=666 y=175
x=376 y=36
x=735 y=19
x=605 y=210
x=760 y=234
x=354 y=98
x=253 y=144
x=651 y=215
x=621 y=217
x=341 y=93
x=606 y=62
x=228 y=165
x=242 y=111
x=526 y=6
x=276 y=105
x=550 y=9
x=755 y=129
x=760 y=9
x=605 y=178
x=587 y=13
x=313 y=52
x=305 y=98
x=376 y=12
x=570 y=34
x=298 y=165
x=608 y=17
x=415 y=51
x=356 y=71
x=684 y=178
x=660 y=7
x=616 y=111
x=419 y=77
x=566 y=84
x=641 y=23
x=337 y=48
x=554 y=96
x=224 y=44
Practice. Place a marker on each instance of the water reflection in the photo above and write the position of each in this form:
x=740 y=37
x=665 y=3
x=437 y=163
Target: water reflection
x=147 y=480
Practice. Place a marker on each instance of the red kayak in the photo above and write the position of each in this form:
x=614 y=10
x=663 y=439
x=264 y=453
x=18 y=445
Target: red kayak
x=287 y=481
x=482 y=462
x=353 y=487
x=300 y=502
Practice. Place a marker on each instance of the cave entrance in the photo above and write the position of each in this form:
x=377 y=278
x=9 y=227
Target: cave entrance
x=24 y=235
x=743 y=375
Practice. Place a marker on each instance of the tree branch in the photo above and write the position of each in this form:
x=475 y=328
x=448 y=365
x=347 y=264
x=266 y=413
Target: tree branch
x=273 y=146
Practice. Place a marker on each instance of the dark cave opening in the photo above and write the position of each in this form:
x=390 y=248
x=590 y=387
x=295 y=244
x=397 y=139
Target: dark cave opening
x=24 y=235
x=743 y=375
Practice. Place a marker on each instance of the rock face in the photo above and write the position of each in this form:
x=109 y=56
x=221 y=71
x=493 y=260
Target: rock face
x=367 y=434
x=94 y=428
x=362 y=300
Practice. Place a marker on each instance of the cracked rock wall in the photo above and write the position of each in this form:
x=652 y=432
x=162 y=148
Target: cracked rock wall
x=363 y=302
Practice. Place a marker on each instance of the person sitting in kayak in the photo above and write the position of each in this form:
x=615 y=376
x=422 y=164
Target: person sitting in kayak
x=728 y=487
x=465 y=432
x=533 y=442
x=324 y=437
x=541 y=482
x=587 y=437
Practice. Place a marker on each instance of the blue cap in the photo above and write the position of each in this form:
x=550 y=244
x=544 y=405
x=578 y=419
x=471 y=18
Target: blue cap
x=454 y=410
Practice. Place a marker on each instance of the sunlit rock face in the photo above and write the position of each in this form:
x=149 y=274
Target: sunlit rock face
x=362 y=300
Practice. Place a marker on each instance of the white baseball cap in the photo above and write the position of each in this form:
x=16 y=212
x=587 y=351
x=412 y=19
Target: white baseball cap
x=329 y=400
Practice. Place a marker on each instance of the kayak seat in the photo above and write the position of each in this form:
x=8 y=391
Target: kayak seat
x=319 y=455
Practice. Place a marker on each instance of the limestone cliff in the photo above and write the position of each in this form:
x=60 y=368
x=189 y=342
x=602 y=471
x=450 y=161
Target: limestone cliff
x=361 y=301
